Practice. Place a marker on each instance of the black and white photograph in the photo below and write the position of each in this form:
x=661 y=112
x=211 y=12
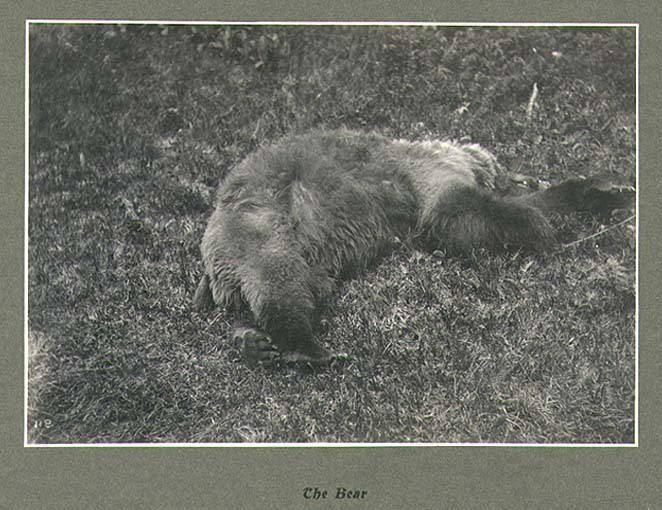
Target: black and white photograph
x=335 y=234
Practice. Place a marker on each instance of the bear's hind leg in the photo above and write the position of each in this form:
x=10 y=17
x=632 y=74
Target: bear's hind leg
x=203 y=298
x=255 y=346
x=281 y=292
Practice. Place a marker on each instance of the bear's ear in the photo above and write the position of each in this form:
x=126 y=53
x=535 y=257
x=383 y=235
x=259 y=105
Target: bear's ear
x=483 y=164
x=519 y=184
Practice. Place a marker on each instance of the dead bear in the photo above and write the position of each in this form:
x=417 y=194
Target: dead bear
x=295 y=216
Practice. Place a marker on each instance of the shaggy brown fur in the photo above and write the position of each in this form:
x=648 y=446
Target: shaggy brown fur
x=295 y=216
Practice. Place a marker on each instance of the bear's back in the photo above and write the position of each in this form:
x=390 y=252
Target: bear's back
x=323 y=160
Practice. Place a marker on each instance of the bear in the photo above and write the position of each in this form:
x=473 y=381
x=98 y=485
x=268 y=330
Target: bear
x=299 y=214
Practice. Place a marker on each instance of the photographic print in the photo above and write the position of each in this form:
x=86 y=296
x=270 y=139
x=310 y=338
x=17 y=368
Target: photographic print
x=331 y=234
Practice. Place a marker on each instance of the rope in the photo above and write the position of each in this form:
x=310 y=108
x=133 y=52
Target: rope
x=597 y=234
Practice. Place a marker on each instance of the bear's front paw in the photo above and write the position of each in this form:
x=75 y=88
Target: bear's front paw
x=601 y=195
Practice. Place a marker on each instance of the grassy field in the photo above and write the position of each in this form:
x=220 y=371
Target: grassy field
x=131 y=129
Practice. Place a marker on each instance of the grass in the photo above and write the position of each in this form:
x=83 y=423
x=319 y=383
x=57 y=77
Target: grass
x=132 y=128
